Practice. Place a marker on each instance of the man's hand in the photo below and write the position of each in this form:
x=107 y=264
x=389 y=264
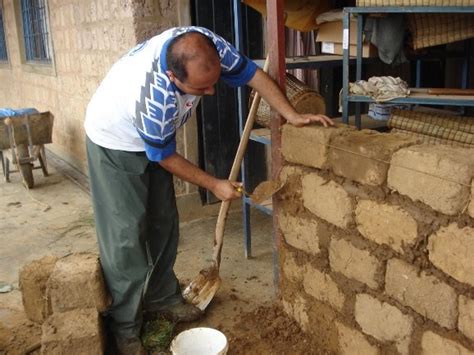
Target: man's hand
x=300 y=120
x=226 y=190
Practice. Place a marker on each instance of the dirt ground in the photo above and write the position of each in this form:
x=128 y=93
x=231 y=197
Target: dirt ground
x=55 y=218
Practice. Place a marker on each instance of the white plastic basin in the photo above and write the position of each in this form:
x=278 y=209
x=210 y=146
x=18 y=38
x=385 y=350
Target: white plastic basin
x=199 y=341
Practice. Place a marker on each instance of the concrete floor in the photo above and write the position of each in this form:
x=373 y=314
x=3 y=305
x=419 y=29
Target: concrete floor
x=55 y=218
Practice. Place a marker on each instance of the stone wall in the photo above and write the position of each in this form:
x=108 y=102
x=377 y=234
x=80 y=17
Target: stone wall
x=378 y=241
x=87 y=37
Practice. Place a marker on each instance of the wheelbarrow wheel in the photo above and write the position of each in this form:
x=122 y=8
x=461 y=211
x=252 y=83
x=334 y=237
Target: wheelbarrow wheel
x=27 y=173
x=26 y=169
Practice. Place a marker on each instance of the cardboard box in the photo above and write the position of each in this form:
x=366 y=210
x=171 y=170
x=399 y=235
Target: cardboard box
x=330 y=34
x=368 y=50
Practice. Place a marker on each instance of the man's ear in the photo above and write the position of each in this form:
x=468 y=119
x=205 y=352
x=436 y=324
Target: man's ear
x=170 y=75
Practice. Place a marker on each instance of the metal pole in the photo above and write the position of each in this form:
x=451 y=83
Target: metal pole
x=276 y=56
x=241 y=109
x=345 y=66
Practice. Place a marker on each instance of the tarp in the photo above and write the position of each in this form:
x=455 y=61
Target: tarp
x=8 y=112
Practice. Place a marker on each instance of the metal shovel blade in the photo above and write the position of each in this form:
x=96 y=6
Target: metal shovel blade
x=202 y=289
x=265 y=190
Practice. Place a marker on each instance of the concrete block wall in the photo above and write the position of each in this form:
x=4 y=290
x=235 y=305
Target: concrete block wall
x=378 y=239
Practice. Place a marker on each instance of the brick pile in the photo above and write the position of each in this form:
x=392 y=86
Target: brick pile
x=377 y=241
x=62 y=299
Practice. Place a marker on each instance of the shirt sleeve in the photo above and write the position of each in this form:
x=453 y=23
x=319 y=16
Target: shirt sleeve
x=155 y=113
x=242 y=74
x=156 y=153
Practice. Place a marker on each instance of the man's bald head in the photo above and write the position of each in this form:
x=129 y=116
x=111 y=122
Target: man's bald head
x=191 y=47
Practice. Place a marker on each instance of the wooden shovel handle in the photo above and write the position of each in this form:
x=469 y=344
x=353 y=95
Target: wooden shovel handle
x=450 y=91
x=234 y=172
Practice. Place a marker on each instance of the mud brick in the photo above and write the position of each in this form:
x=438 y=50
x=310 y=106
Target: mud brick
x=74 y=332
x=439 y=176
x=426 y=294
x=364 y=156
x=77 y=282
x=301 y=233
x=353 y=342
x=432 y=343
x=386 y=224
x=466 y=316
x=451 y=249
x=383 y=321
x=322 y=287
x=297 y=309
x=327 y=200
x=290 y=268
x=308 y=145
x=33 y=280
x=353 y=262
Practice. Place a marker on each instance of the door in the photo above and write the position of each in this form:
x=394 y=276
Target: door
x=218 y=120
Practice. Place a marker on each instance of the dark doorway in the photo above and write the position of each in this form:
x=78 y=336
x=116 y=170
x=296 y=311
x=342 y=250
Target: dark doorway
x=217 y=115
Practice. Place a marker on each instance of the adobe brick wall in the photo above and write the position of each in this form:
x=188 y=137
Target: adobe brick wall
x=378 y=238
x=87 y=37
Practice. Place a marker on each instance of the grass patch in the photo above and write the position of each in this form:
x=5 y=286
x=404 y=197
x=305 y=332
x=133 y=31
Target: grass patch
x=86 y=220
x=157 y=335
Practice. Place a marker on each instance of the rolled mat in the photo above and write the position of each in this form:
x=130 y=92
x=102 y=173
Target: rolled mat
x=415 y=2
x=432 y=140
x=429 y=30
x=444 y=127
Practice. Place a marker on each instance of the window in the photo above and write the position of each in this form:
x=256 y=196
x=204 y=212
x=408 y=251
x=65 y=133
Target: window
x=3 y=43
x=35 y=31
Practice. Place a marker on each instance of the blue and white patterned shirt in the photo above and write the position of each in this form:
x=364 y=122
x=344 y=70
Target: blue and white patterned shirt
x=137 y=107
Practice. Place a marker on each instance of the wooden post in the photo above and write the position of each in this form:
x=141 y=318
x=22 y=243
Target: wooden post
x=276 y=57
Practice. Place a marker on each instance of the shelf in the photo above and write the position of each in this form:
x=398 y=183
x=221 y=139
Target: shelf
x=314 y=62
x=419 y=96
x=266 y=206
x=409 y=9
x=261 y=135
x=332 y=60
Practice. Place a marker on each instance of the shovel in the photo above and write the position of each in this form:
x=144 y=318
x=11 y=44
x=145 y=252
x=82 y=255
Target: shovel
x=202 y=289
x=263 y=191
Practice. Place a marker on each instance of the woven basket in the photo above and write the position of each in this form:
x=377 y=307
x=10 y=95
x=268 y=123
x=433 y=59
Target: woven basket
x=444 y=127
x=434 y=29
x=415 y=2
x=303 y=98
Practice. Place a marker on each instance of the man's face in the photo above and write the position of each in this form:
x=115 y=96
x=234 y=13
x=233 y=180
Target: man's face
x=198 y=82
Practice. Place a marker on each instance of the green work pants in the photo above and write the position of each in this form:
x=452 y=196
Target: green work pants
x=137 y=231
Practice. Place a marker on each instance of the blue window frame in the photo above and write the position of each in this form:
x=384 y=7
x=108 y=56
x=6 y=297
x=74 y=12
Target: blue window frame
x=35 y=31
x=3 y=43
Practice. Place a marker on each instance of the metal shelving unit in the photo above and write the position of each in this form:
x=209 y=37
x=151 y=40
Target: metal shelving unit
x=264 y=135
x=417 y=96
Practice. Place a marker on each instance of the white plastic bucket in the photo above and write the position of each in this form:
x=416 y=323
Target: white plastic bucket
x=199 y=341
